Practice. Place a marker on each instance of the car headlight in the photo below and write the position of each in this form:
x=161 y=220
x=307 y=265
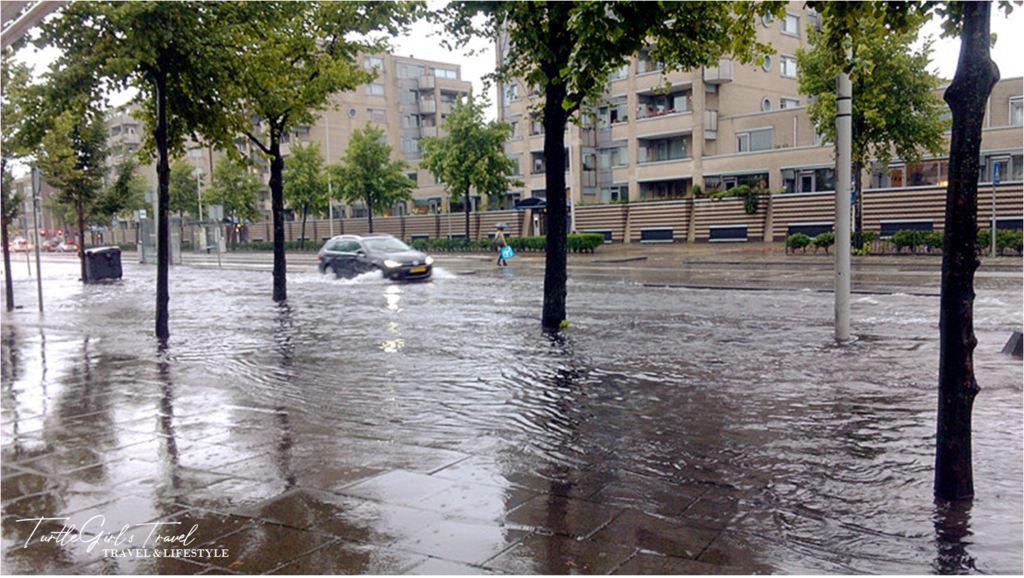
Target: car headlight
x=391 y=264
x=430 y=260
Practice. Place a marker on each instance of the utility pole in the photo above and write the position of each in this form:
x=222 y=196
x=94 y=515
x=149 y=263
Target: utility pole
x=844 y=110
x=996 y=177
x=36 y=186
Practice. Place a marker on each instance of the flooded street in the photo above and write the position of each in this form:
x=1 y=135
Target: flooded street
x=376 y=427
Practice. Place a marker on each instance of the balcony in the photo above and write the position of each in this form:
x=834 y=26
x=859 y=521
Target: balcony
x=428 y=82
x=432 y=132
x=710 y=124
x=428 y=107
x=720 y=74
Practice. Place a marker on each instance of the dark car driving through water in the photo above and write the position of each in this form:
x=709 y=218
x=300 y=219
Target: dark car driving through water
x=350 y=255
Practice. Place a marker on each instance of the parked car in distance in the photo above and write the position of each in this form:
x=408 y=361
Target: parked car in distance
x=350 y=255
x=67 y=247
x=20 y=244
x=50 y=245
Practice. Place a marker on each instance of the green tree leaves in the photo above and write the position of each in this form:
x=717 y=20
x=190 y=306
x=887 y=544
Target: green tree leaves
x=368 y=175
x=471 y=155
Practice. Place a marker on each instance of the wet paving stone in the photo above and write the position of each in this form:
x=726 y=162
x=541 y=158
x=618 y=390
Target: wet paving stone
x=647 y=564
x=553 y=554
x=299 y=508
x=264 y=547
x=399 y=487
x=560 y=515
x=365 y=521
x=469 y=543
x=232 y=494
x=343 y=558
x=435 y=567
x=669 y=537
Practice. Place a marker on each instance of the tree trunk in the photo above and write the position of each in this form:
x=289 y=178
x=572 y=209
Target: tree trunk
x=467 y=205
x=4 y=238
x=302 y=235
x=277 y=208
x=555 y=275
x=369 y=214
x=967 y=96
x=163 y=177
x=80 y=212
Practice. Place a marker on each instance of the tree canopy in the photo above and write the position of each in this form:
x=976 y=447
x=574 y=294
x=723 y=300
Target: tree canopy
x=183 y=189
x=471 y=155
x=72 y=158
x=368 y=175
x=896 y=110
x=291 y=57
x=569 y=49
x=305 y=182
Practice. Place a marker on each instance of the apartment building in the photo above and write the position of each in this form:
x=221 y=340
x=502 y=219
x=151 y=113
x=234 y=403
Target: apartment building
x=719 y=127
x=409 y=100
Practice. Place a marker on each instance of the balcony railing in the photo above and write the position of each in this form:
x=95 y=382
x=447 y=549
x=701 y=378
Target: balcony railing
x=720 y=74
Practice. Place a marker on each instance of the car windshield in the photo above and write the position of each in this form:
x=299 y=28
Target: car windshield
x=386 y=245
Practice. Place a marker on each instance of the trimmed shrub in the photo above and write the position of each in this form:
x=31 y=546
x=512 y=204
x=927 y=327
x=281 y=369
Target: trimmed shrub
x=798 y=241
x=824 y=241
x=908 y=240
x=933 y=240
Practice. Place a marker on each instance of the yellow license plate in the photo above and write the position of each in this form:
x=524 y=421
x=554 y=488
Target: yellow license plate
x=418 y=270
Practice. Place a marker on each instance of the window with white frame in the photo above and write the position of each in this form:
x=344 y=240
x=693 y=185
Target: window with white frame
x=511 y=94
x=766 y=104
x=787 y=67
x=620 y=72
x=446 y=73
x=373 y=62
x=1015 y=110
x=377 y=114
x=786 y=102
x=617 y=156
x=754 y=140
x=375 y=89
x=791 y=24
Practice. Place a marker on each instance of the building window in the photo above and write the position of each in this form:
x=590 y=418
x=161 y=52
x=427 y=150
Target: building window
x=646 y=64
x=613 y=157
x=754 y=140
x=791 y=24
x=445 y=73
x=788 y=66
x=375 y=89
x=377 y=114
x=511 y=94
x=409 y=70
x=411 y=146
x=413 y=176
x=785 y=103
x=538 y=166
x=663 y=149
x=410 y=121
x=515 y=129
x=766 y=104
x=373 y=62
x=661 y=104
x=620 y=72
x=767 y=20
x=1015 y=111
x=767 y=64
x=536 y=127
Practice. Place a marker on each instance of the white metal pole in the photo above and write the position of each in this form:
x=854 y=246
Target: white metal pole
x=35 y=222
x=844 y=110
x=330 y=190
x=995 y=181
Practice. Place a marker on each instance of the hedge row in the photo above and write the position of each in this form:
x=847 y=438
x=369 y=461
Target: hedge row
x=910 y=241
x=583 y=243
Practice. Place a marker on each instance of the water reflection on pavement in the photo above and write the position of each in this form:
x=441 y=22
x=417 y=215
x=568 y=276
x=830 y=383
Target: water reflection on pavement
x=433 y=428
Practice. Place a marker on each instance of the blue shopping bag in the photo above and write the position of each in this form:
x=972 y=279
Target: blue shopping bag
x=507 y=252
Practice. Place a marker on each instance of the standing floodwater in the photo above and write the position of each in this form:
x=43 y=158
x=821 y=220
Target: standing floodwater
x=729 y=413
